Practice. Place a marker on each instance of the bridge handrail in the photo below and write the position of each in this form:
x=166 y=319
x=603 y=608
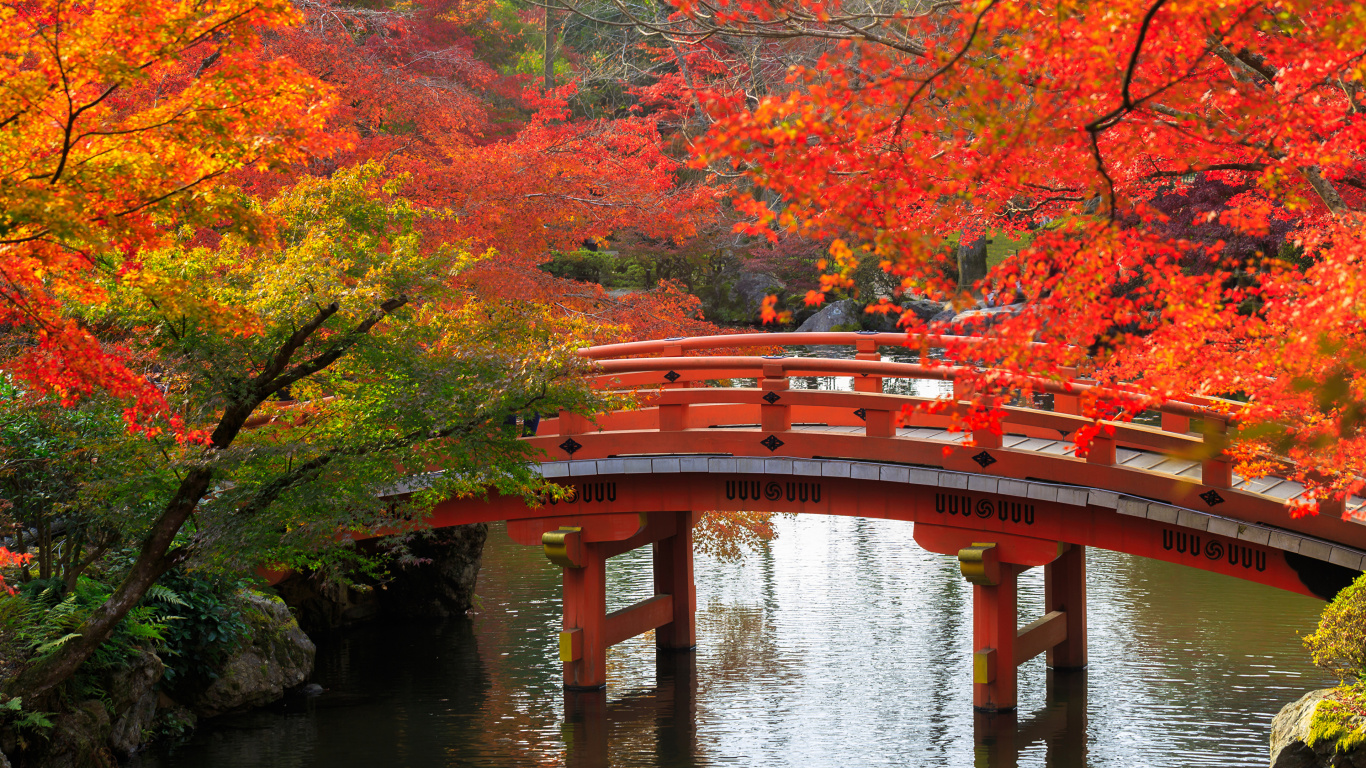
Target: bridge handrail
x=1125 y=434
x=864 y=341
x=749 y=340
x=807 y=366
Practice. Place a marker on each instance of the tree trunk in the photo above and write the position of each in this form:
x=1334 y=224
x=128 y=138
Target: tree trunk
x=548 y=59
x=972 y=261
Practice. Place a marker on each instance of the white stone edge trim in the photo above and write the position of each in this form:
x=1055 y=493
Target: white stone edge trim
x=1078 y=496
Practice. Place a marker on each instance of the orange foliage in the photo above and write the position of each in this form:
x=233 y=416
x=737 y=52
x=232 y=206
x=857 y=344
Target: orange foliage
x=116 y=120
x=1075 y=131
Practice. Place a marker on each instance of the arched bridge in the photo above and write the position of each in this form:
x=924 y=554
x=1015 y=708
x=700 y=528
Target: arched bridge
x=1008 y=503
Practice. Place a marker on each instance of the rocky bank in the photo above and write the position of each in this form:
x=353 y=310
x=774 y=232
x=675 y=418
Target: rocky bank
x=1294 y=743
x=273 y=661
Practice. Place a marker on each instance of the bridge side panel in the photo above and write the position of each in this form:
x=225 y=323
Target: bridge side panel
x=1087 y=525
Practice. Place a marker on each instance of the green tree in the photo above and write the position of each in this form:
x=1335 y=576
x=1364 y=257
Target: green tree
x=309 y=373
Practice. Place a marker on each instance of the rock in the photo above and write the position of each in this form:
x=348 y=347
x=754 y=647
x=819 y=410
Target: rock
x=1290 y=734
x=734 y=294
x=324 y=605
x=442 y=582
x=750 y=290
x=439 y=583
x=925 y=309
x=840 y=313
x=132 y=692
x=77 y=739
x=275 y=657
x=978 y=321
x=946 y=316
x=4 y=762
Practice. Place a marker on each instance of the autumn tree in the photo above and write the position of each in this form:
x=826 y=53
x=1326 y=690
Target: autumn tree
x=931 y=122
x=347 y=363
x=115 y=120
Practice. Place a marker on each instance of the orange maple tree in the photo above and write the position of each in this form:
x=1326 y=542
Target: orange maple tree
x=116 y=119
x=1076 y=125
x=516 y=167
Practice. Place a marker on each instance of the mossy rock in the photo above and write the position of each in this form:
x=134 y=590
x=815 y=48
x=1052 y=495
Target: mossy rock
x=1319 y=730
x=275 y=656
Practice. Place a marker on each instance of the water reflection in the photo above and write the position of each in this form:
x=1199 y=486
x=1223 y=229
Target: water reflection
x=1058 y=729
x=660 y=722
x=842 y=644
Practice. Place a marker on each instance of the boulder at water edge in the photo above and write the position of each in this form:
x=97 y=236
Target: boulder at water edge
x=275 y=657
x=1291 y=737
x=840 y=313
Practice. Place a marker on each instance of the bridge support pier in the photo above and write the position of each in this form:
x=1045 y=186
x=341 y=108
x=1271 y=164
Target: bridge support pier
x=1064 y=590
x=581 y=545
x=999 y=647
x=674 y=576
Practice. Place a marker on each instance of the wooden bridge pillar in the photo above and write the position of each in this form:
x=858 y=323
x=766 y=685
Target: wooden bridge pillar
x=993 y=635
x=581 y=545
x=1064 y=590
x=999 y=647
x=674 y=576
x=583 y=647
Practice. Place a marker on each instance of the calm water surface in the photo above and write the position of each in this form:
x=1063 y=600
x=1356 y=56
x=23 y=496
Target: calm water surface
x=843 y=644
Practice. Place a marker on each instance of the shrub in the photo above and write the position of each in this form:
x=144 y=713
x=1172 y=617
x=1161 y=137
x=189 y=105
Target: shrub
x=1339 y=643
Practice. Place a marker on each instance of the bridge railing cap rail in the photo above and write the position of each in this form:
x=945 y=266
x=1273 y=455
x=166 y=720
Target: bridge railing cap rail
x=796 y=366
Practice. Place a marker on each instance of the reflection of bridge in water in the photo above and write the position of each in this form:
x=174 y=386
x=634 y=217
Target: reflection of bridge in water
x=1009 y=503
x=669 y=713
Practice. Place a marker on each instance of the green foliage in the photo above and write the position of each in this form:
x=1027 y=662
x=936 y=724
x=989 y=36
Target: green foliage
x=50 y=618
x=191 y=620
x=204 y=622
x=1338 y=719
x=1339 y=643
x=25 y=722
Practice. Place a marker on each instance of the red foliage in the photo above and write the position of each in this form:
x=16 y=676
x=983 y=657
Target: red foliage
x=981 y=117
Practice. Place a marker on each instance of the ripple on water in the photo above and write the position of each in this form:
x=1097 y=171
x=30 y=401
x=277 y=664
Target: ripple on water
x=841 y=644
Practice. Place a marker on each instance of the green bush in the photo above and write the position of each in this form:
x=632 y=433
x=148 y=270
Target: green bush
x=1339 y=643
x=208 y=626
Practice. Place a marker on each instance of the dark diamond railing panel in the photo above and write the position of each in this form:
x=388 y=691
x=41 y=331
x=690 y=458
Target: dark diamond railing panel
x=1212 y=498
x=984 y=459
x=862 y=414
x=772 y=443
x=673 y=376
x=772 y=397
x=570 y=446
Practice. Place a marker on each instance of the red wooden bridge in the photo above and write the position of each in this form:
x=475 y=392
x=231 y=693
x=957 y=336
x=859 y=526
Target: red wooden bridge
x=1011 y=502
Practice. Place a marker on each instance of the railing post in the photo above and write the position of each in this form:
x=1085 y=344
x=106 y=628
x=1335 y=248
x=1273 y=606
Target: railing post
x=774 y=414
x=1102 y=449
x=867 y=350
x=1215 y=470
x=1174 y=422
x=672 y=417
x=879 y=423
x=674 y=350
x=1064 y=589
x=673 y=570
x=1068 y=404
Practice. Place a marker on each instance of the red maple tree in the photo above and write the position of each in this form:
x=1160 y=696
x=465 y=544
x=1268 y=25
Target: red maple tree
x=1072 y=127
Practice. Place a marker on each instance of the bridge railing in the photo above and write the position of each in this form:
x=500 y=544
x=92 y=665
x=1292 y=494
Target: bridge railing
x=668 y=376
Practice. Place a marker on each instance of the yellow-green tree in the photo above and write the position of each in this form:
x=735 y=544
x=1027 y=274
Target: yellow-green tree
x=311 y=372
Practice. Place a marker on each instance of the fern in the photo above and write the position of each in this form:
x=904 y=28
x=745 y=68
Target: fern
x=163 y=594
